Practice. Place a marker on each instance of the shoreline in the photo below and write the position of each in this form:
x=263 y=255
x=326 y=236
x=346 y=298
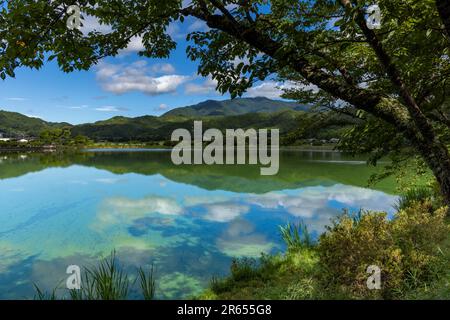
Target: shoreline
x=131 y=147
x=28 y=149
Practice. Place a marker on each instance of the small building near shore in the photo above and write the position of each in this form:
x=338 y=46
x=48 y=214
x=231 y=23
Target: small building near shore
x=335 y=140
x=49 y=148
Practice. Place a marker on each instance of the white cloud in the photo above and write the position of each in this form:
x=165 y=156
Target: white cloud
x=197 y=25
x=303 y=205
x=175 y=32
x=91 y=23
x=137 y=76
x=106 y=71
x=108 y=180
x=240 y=239
x=225 y=212
x=314 y=204
x=362 y=198
x=83 y=106
x=163 y=106
x=32 y=116
x=201 y=200
x=110 y=109
x=238 y=60
x=206 y=87
x=123 y=211
x=273 y=90
x=16 y=99
x=135 y=45
x=148 y=85
x=269 y=89
x=163 y=68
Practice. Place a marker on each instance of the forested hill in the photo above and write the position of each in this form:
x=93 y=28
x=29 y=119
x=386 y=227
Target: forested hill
x=149 y=128
x=236 y=107
x=13 y=124
x=238 y=113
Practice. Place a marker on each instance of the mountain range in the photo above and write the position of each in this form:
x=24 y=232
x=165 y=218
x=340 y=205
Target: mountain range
x=236 y=107
x=236 y=113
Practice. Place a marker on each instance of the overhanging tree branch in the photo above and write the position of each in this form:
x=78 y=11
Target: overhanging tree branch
x=393 y=73
x=443 y=7
x=360 y=98
x=406 y=116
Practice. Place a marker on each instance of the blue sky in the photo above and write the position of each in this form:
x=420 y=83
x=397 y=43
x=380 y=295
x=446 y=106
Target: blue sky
x=126 y=85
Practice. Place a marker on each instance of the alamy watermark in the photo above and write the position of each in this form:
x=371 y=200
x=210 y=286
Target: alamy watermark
x=374 y=19
x=374 y=280
x=233 y=149
x=73 y=282
x=74 y=19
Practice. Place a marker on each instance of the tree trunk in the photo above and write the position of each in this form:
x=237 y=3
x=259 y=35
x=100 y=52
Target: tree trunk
x=420 y=132
x=436 y=156
x=443 y=7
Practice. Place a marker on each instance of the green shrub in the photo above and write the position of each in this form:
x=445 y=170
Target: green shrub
x=419 y=194
x=243 y=269
x=350 y=245
x=406 y=250
x=303 y=289
x=419 y=234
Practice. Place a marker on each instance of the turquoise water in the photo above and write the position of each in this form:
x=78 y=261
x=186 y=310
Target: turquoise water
x=61 y=210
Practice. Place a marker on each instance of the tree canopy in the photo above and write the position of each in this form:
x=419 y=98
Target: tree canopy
x=393 y=79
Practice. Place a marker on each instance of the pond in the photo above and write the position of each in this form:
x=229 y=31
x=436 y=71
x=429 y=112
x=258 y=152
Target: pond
x=58 y=210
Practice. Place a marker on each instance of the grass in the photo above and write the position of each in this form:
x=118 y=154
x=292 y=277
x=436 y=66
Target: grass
x=290 y=276
x=147 y=283
x=42 y=295
x=438 y=289
x=107 y=281
x=296 y=236
x=416 y=194
x=296 y=276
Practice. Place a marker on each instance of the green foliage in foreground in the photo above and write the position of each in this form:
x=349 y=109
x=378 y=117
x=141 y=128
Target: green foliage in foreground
x=147 y=283
x=106 y=281
x=296 y=236
x=412 y=250
x=407 y=249
x=416 y=194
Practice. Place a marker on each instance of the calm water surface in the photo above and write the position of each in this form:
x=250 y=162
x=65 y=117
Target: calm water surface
x=190 y=221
